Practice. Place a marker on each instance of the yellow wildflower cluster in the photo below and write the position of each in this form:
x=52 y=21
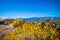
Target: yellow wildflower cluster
x=32 y=31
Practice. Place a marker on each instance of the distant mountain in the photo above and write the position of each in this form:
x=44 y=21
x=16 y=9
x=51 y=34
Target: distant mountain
x=32 y=19
x=40 y=19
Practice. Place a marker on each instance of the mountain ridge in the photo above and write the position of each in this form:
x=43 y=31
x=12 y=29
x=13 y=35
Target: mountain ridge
x=40 y=19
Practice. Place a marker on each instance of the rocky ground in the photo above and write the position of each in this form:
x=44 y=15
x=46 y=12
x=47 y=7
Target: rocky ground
x=5 y=29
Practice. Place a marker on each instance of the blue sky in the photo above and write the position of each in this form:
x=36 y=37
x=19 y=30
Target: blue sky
x=29 y=8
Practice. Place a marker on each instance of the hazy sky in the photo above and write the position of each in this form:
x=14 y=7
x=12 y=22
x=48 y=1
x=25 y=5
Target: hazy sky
x=29 y=8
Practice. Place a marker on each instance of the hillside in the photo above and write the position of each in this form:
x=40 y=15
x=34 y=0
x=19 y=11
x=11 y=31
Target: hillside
x=30 y=29
x=34 y=30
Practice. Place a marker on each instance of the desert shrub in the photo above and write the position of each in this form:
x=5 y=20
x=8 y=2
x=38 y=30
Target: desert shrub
x=16 y=23
x=43 y=24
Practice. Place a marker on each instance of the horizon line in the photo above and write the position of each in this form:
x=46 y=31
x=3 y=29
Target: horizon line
x=24 y=17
